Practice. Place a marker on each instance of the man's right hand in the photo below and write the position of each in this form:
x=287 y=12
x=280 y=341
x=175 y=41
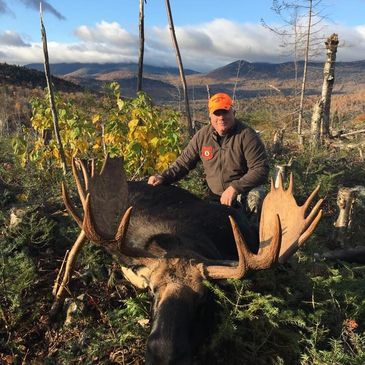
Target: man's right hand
x=155 y=180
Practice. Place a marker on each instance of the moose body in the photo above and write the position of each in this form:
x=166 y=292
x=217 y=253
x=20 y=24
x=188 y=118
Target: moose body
x=169 y=241
x=181 y=223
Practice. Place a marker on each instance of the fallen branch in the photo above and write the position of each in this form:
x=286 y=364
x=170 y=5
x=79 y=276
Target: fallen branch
x=356 y=254
x=352 y=133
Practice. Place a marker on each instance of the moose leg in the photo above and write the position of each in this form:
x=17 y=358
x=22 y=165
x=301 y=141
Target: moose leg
x=59 y=288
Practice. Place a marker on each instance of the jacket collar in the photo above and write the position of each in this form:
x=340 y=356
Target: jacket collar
x=235 y=128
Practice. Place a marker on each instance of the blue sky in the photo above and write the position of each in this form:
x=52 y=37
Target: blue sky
x=210 y=33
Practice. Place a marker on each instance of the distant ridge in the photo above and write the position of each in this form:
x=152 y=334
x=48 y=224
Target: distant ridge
x=265 y=70
x=22 y=76
x=92 y=69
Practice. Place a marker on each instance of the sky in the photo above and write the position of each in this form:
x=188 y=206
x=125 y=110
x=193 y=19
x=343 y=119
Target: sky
x=210 y=34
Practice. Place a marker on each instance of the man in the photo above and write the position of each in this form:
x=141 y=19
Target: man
x=233 y=156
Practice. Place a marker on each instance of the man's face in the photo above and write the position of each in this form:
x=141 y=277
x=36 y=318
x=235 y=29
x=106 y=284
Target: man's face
x=222 y=120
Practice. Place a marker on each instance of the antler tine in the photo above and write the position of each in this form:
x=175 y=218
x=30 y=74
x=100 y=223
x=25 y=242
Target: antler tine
x=313 y=213
x=123 y=227
x=267 y=256
x=88 y=225
x=69 y=206
x=242 y=250
x=310 y=198
x=311 y=228
x=228 y=272
x=105 y=163
x=291 y=184
x=93 y=167
x=85 y=174
x=80 y=188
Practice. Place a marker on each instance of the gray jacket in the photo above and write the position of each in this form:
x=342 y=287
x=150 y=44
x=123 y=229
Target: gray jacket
x=238 y=160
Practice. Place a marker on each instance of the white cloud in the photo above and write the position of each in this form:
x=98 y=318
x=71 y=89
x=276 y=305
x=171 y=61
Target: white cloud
x=202 y=47
x=9 y=38
x=107 y=33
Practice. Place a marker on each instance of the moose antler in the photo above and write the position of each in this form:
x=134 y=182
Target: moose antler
x=284 y=227
x=104 y=199
x=266 y=256
x=295 y=224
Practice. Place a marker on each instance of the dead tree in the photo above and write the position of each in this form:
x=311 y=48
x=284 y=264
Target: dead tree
x=328 y=82
x=345 y=201
x=51 y=96
x=277 y=146
x=320 y=123
x=181 y=68
x=316 y=123
x=141 y=45
x=306 y=58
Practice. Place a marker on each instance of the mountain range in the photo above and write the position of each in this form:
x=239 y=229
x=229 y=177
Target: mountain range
x=249 y=79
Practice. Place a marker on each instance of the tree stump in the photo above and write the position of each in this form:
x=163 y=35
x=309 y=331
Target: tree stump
x=345 y=201
x=277 y=146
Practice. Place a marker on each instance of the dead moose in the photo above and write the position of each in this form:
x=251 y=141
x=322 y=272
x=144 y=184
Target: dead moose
x=169 y=240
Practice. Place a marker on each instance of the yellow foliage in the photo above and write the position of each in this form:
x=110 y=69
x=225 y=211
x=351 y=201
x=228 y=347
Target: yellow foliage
x=154 y=142
x=134 y=129
x=22 y=197
x=56 y=153
x=95 y=119
x=96 y=147
x=165 y=160
x=133 y=124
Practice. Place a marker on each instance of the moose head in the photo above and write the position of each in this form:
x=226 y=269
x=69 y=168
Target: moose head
x=169 y=241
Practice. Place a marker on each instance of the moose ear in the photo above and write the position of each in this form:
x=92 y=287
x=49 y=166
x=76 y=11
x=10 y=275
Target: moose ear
x=139 y=278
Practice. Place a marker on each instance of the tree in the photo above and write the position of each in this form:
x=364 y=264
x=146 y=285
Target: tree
x=320 y=124
x=51 y=95
x=181 y=68
x=302 y=20
x=328 y=82
x=141 y=44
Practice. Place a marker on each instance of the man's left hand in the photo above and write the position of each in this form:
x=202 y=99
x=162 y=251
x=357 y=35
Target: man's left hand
x=229 y=195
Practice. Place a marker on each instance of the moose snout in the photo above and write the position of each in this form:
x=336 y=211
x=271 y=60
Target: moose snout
x=162 y=351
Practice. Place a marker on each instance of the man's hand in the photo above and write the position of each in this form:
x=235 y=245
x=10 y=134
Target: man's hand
x=229 y=195
x=155 y=180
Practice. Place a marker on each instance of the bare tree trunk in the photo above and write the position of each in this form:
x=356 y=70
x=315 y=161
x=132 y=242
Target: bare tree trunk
x=181 y=68
x=304 y=81
x=316 y=123
x=277 y=146
x=236 y=82
x=208 y=92
x=328 y=81
x=141 y=45
x=345 y=201
x=51 y=96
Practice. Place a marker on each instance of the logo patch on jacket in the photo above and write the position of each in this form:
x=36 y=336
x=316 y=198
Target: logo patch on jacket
x=207 y=152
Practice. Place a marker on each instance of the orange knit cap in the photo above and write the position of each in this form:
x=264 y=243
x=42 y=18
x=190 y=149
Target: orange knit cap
x=219 y=101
